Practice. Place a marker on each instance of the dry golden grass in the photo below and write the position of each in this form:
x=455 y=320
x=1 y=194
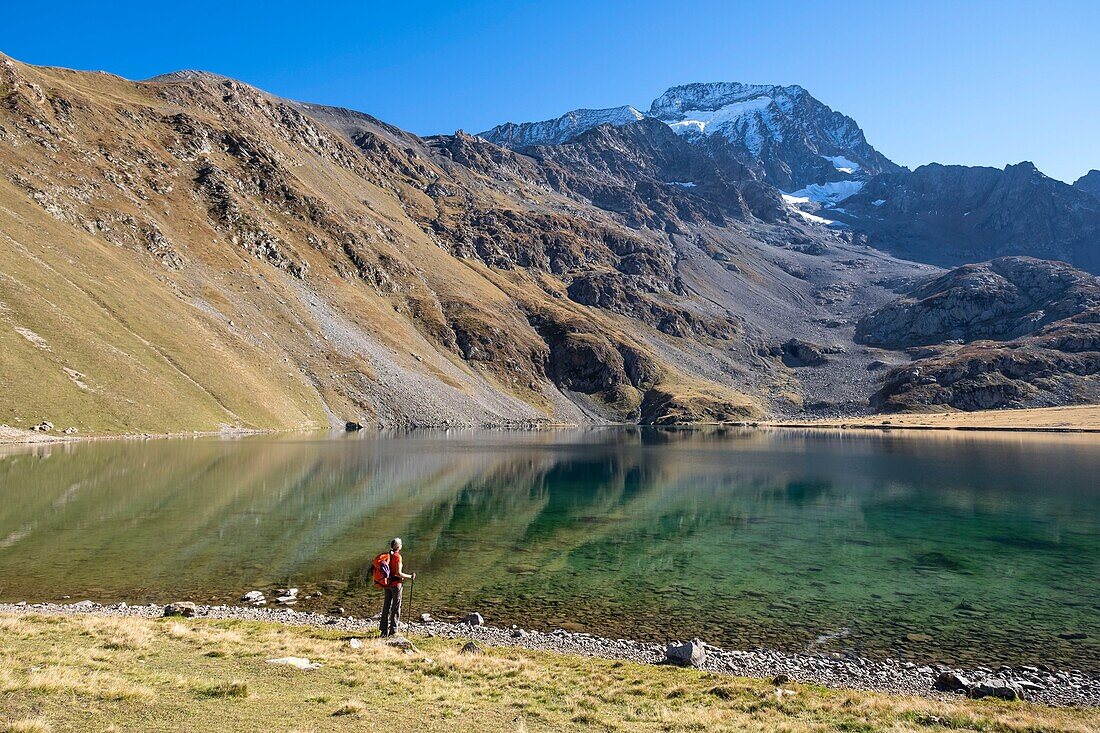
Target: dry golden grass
x=51 y=677
x=26 y=725
x=351 y=707
x=1081 y=417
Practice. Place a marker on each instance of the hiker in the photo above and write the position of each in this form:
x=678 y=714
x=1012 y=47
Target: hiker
x=388 y=575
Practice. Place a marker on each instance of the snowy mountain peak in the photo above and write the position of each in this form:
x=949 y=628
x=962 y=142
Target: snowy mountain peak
x=561 y=129
x=713 y=96
x=786 y=136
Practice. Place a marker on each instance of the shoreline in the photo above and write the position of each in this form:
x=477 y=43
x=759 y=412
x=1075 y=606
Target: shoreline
x=1056 y=688
x=1073 y=420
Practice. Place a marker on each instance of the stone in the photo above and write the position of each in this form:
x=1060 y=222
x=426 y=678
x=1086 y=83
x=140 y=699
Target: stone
x=472 y=648
x=918 y=638
x=781 y=679
x=69 y=431
x=253 y=596
x=186 y=609
x=400 y=642
x=997 y=687
x=1073 y=636
x=355 y=643
x=425 y=618
x=43 y=427
x=691 y=654
x=799 y=353
x=519 y=634
x=474 y=619
x=298 y=662
x=353 y=427
x=948 y=681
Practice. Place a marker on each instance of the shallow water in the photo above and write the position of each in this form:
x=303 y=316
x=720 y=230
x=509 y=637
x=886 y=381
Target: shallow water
x=970 y=549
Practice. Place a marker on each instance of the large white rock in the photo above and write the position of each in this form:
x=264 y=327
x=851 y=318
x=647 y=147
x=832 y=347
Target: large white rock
x=299 y=662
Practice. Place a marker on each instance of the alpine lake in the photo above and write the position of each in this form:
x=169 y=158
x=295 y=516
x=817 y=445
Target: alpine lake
x=961 y=548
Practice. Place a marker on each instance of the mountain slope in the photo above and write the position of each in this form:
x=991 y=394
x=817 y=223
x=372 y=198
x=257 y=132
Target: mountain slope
x=285 y=265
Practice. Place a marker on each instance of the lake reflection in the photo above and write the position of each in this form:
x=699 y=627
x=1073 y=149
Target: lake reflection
x=873 y=542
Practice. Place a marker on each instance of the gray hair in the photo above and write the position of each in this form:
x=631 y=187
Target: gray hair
x=395 y=543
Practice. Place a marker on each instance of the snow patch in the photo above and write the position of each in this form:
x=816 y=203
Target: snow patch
x=793 y=204
x=682 y=184
x=708 y=122
x=878 y=202
x=842 y=164
x=829 y=193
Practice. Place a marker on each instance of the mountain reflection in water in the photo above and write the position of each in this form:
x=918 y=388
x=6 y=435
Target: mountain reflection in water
x=988 y=544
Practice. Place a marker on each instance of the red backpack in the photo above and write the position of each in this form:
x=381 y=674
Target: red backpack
x=381 y=569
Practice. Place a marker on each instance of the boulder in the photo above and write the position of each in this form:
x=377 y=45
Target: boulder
x=355 y=643
x=690 y=654
x=299 y=662
x=425 y=618
x=400 y=642
x=474 y=619
x=254 y=597
x=799 y=353
x=186 y=609
x=352 y=427
x=43 y=427
x=948 y=681
x=997 y=687
x=472 y=648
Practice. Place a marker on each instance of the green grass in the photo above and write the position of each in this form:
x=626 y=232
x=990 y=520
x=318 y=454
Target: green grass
x=93 y=674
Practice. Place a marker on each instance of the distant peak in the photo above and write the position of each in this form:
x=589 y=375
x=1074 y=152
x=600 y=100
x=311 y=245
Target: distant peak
x=560 y=129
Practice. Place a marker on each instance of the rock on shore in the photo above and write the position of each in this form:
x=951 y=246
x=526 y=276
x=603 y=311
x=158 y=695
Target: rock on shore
x=1035 y=683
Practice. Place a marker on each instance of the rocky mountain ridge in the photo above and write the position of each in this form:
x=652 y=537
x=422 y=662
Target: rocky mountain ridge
x=1089 y=183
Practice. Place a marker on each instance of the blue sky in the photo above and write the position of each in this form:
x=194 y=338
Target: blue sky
x=980 y=83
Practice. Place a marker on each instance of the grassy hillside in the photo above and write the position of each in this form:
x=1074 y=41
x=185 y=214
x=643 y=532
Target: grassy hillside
x=189 y=253
x=99 y=674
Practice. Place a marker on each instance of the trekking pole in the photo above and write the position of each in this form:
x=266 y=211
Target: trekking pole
x=412 y=582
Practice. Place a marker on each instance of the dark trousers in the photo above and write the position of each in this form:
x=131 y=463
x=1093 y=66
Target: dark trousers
x=391 y=610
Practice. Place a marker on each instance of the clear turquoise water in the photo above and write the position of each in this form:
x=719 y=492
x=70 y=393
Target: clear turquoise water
x=988 y=544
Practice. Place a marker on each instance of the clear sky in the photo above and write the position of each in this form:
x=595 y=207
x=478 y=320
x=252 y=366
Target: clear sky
x=980 y=83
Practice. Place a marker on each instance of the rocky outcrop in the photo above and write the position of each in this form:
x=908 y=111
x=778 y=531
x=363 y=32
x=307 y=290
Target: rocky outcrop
x=1057 y=365
x=1003 y=299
